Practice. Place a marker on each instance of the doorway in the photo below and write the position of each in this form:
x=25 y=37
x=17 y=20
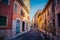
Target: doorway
x=23 y=26
x=17 y=26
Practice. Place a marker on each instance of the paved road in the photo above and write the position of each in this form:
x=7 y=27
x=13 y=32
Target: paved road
x=33 y=34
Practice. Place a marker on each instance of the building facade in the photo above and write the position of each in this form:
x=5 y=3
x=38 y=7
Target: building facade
x=12 y=18
x=50 y=17
x=26 y=17
x=6 y=12
x=41 y=21
x=17 y=17
x=57 y=17
x=36 y=17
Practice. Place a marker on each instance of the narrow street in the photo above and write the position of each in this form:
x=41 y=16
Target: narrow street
x=29 y=19
x=33 y=34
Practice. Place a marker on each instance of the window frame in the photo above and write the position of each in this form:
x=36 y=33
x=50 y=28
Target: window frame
x=6 y=22
x=22 y=13
x=15 y=3
x=15 y=7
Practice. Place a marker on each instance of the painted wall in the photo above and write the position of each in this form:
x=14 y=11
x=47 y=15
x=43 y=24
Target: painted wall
x=6 y=10
x=16 y=16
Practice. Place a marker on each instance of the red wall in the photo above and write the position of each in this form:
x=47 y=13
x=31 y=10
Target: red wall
x=7 y=10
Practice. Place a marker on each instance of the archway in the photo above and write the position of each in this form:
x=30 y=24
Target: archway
x=17 y=26
x=23 y=26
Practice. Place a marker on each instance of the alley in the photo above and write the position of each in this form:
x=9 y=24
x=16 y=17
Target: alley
x=34 y=34
x=29 y=19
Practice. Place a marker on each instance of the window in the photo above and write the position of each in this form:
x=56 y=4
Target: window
x=48 y=12
x=26 y=26
x=5 y=1
x=22 y=13
x=58 y=17
x=15 y=7
x=3 y=20
x=53 y=22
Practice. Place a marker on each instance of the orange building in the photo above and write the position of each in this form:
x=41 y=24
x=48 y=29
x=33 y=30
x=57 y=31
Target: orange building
x=51 y=17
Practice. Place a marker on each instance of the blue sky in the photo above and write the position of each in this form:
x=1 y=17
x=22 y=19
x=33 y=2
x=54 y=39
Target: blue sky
x=36 y=5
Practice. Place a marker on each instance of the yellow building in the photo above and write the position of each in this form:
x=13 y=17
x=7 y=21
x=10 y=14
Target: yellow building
x=27 y=3
x=41 y=19
x=47 y=18
x=26 y=17
x=36 y=17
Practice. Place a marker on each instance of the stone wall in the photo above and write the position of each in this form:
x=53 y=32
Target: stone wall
x=5 y=33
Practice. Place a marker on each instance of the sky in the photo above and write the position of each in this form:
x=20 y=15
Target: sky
x=36 y=5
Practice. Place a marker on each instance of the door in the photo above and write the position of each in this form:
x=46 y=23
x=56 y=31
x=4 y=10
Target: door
x=17 y=26
x=26 y=26
x=23 y=26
